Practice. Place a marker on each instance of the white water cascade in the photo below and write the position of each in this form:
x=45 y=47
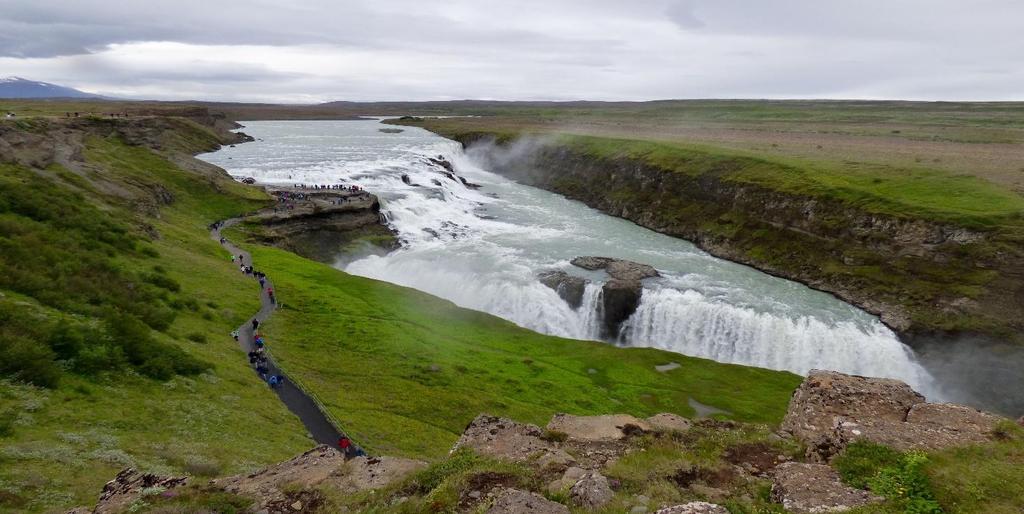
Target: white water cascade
x=483 y=248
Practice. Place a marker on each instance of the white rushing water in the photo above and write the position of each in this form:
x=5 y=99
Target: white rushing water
x=483 y=248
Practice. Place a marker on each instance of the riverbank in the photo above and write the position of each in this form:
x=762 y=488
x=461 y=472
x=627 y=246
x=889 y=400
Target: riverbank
x=938 y=255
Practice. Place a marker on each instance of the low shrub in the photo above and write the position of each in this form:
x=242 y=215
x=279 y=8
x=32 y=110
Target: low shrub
x=898 y=477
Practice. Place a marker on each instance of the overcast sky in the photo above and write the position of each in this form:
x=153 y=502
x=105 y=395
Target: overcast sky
x=319 y=50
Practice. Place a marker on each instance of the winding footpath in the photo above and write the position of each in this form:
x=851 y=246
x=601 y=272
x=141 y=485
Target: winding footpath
x=316 y=421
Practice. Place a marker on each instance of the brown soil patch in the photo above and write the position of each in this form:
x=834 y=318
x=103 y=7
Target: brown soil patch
x=720 y=478
x=758 y=457
x=484 y=483
x=308 y=500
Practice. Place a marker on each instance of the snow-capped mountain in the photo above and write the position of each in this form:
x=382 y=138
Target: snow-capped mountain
x=17 y=87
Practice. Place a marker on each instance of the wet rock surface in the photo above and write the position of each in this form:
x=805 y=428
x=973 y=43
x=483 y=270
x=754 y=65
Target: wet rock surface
x=570 y=288
x=815 y=488
x=620 y=295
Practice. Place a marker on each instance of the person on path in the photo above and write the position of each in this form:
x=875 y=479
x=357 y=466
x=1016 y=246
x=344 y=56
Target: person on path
x=344 y=443
x=273 y=381
x=255 y=323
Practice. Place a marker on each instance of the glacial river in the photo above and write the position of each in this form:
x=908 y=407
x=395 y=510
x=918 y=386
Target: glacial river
x=483 y=248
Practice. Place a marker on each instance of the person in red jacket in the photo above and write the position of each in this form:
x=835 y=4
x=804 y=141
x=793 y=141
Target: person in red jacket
x=344 y=443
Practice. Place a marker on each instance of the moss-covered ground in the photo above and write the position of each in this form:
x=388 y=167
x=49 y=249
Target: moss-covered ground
x=405 y=372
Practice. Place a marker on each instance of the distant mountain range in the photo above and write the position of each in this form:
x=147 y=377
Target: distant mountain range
x=17 y=87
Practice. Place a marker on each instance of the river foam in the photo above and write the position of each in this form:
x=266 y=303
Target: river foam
x=483 y=248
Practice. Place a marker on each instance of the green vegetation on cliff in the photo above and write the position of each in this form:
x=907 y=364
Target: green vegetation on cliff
x=115 y=310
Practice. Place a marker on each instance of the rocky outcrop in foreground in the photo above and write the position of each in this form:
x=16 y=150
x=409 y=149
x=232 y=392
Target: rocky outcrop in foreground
x=129 y=485
x=811 y=488
x=320 y=468
x=830 y=410
x=576 y=460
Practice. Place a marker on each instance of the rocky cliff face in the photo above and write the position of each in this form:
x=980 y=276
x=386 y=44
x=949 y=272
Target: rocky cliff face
x=918 y=276
x=323 y=224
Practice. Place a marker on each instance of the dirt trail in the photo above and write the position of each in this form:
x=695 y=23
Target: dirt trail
x=315 y=421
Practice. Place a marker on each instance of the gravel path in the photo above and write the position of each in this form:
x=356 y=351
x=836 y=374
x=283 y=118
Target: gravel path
x=319 y=426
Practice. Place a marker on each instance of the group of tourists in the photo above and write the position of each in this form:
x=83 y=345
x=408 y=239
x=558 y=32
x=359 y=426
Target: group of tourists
x=258 y=358
x=258 y=355
x=328 y=187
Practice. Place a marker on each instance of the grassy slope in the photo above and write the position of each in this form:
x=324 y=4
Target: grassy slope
x=64 y=443
x=405 y=372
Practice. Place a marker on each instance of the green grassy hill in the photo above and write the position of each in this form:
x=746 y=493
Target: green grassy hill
x=116 y=308
x=115 y=312
x=405 y=372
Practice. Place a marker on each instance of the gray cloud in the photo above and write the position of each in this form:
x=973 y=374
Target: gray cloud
x=319 y=50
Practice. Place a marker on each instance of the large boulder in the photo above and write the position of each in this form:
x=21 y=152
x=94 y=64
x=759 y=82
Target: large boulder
x=668 y=422
x=570 y=288
x=616 y=268
x=129 y=486
x=266 y=485
x=619 y=300
x=503 y=438
x=569 y=478
x=620 y=295
x=694 y=508
x=322 y=467
x=597 y=428
x=831 y=410
x=514 y=501
x=815 y=488
x=824 y=395
x=592 y=491
x=369 y=473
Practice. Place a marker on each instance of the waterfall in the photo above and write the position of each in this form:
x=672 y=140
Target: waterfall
x=483 y=249
x=688 y=322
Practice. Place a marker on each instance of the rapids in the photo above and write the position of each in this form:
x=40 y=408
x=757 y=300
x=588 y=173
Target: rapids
x=482 y=249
